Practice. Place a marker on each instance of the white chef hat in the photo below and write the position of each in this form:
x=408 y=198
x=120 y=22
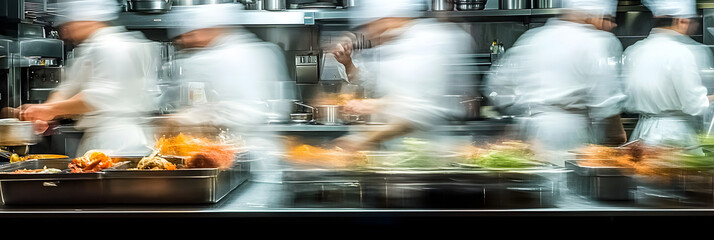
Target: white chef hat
x=86 y=10
x=206 y=16
x=367 y=11
x=672 y=8
x=593 y=7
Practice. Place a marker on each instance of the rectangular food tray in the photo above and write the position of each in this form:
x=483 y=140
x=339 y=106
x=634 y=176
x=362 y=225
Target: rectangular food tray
x=119 y=184
x=123 y=184
x=601 y=183
x=49 y=188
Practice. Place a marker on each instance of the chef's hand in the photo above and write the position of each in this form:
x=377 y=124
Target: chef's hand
x=343 y=53
x=9 y=112
x=32 y=112
x=40 y=126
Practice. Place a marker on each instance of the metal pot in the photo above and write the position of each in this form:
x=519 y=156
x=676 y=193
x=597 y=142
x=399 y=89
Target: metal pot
x=275 y=5
x=514 y=4
x=349 y=3
x=254 y=5
x=280 y=109
x=442 y=5
x=463 y=108
x=472 y=108
x=329 y=114
x=301 y=117
x=150 y=6
x=469 y=5
x=199 y=2
x=14 y=132
x=547 y=4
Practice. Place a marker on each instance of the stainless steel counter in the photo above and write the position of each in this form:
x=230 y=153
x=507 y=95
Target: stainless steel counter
x=264 y=204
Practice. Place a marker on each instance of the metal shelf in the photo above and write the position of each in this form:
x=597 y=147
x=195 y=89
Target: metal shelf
x=311 y=16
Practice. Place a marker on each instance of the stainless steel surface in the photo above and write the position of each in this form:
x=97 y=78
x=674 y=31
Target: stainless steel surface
x=601 y=183
x=255 y=5
x=469 y=5
x=280 y=109
x=301 y=117
x=119 y=184
x=199 y=2
x=306 y=69
x=442 y=5
x=329 y=114
x=123 y=185
x=39 y=82
x=275 y=5
x=150 y=6
x=349 y=3
x=514 y=4
x=544 y=4
x=14 y=132
x=51 y=188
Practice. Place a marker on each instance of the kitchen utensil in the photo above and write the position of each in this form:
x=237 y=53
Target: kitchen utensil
x=301 y=117
x=328 y=114
x=514 y=4
x=442 y=5
x=542 y=4
x=275 y=5
x=150 y=6
x=469 y=5
x=14 y=132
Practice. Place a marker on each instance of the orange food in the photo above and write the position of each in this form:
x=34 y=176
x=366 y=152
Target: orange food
x=322 y=157
x=199 y=152
x=212 y=156
x=92 y=161
x=642 y=159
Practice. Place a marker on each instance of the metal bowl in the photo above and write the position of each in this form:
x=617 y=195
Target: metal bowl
x=469 y=5
x=14 y=132
x=150 y=6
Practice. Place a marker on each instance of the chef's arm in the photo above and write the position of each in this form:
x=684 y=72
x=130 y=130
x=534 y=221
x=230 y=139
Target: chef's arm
x=56 y=96
x=74 y=105
x=711 y=98
x=393 y=130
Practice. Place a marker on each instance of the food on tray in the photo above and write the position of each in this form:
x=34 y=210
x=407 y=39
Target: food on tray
x=323 y=157
x=199 y=152
x=41 y=170
x=17 y=158
x=644 y=159
x=211 y=156
x=92 y=161
x=506 y=154
x=419 y=154
x=155 y=163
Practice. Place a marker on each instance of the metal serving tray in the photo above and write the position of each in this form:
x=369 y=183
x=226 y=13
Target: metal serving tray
x=49 y=188
x=601 y=183
x=436 y=188
x=123 y=184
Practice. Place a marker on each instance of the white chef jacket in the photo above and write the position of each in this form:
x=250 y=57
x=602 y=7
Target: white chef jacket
x=558 y=78
x=239 y=71
x=114 y=70
x=664 y=85
x=413 y=71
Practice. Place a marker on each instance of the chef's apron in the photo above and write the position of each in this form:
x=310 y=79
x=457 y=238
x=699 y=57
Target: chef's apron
x=556 y=132
x=670 y=129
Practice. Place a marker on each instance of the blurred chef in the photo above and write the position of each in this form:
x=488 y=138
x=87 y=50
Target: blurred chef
x=408 y=68
x=663 y=78
x=561 y=77
x=236 y=72
x=106 y=83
